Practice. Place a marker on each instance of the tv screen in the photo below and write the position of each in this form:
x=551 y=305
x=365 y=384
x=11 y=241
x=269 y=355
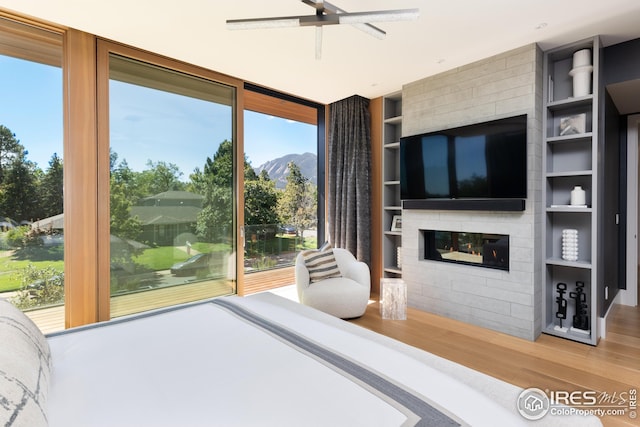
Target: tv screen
x=481 y=161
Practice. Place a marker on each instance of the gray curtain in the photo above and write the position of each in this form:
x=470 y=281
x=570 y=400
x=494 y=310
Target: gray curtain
x=349 y=195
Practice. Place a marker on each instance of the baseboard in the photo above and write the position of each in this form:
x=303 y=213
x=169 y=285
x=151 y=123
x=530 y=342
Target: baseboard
x=627 y=297
x=602 y=321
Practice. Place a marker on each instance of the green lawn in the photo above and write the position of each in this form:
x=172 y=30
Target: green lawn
x=12 y=262
x=152 y=259
x=163 y=257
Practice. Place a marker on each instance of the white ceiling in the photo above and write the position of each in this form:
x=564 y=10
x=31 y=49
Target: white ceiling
x=447 y=34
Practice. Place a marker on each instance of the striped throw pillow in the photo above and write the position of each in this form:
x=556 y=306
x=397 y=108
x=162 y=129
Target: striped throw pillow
x=321 y=264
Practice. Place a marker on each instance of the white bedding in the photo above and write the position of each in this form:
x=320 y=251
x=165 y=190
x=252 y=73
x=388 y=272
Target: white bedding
x=202 y=365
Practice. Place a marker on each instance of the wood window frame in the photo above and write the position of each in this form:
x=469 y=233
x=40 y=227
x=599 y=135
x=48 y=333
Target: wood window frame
x=104 y=49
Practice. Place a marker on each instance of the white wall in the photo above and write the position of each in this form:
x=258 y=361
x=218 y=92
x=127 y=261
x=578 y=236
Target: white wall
x=508 y=301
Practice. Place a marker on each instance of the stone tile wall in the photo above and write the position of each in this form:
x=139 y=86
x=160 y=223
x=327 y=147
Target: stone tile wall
x=505 y=85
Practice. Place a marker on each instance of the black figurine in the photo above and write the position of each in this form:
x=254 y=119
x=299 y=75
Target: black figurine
x=581 y=318
x=562 y=302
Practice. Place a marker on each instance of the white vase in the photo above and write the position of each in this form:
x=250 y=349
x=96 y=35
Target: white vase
x=581 y=72
x=581 y=80
x=578 y=196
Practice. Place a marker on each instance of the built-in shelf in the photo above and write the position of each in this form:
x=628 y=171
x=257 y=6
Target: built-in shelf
x=569 y=208
x=396 y=120
x=396 y=272
x=570 y=102
x=570 y=161
x=392 y=207
x=573 y=264
x=569 y=332
x=569 y=173
x=570 y=138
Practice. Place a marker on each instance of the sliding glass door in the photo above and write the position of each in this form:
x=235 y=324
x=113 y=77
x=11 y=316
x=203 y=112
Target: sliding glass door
x=172 y=193
x=32 y=273
x=284 y=158
x=281 y=188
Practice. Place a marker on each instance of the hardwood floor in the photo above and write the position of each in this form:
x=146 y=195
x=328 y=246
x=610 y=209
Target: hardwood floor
x=550 y=363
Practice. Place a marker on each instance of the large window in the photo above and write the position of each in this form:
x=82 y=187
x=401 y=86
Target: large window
x=172 y=203
x=283 y=184
x=31 y=172
x=281 y=187
x=152 y=205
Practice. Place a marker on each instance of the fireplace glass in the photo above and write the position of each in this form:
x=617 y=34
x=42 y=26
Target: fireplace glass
x=477 y=249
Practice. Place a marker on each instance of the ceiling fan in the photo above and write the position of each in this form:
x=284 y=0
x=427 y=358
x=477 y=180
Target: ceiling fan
x=327 y=14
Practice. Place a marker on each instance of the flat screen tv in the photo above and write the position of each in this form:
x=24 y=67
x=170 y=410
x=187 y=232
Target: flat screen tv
x=484 y=161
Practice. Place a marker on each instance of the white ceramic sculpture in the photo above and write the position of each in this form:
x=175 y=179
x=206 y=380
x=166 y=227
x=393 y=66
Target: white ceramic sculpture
x=570 y=244
x=581 y=73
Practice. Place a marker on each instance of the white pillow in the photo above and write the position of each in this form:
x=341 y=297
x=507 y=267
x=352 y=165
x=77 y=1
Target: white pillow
x=25 y=368
x=321 y=264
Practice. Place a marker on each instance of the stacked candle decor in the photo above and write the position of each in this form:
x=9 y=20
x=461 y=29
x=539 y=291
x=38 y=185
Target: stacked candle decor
x=570 y=244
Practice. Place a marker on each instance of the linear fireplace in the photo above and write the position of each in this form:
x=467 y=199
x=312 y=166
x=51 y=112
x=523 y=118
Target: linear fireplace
x=477 y=249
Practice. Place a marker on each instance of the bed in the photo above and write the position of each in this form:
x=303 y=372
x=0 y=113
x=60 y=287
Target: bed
x=261 y=360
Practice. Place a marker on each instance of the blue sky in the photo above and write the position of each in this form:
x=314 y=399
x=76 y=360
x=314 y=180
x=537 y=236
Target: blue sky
x=31 y=107
x=146 y=124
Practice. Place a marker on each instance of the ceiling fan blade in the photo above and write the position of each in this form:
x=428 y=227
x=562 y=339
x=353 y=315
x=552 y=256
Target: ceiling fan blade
x=372 y=30
x=258 y=23
x=380 y=16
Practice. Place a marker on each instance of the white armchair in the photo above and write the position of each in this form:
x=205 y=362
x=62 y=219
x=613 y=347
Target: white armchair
x=345 y=297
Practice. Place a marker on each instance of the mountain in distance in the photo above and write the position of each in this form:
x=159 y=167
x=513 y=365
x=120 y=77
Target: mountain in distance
x=278 y=170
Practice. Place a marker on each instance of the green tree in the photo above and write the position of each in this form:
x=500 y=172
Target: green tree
x=20 y=190
x=264 y=175
x=125 y=191
x=220 y=169
x=134 y=187
x=215 y=220
x=51 y=189
x=215 y=183
x=222 y=166
x=260 y=201
x=10 y=148
x=122 y=224
x=160 y=177
x=197 y=181
x=297 y=203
